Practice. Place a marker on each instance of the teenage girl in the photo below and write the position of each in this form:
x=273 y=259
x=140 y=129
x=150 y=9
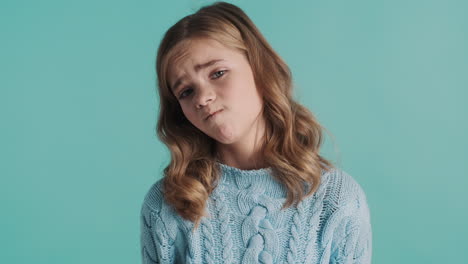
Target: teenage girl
x=246 y=182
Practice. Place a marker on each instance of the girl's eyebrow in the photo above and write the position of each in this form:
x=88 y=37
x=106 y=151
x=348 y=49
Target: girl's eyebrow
x=197 y=68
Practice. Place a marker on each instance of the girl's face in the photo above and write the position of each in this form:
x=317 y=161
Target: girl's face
x=215 y=88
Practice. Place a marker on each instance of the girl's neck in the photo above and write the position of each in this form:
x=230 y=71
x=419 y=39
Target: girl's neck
x=243 y=163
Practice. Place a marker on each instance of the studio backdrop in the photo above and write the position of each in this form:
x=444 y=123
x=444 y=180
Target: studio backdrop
x=78 y=108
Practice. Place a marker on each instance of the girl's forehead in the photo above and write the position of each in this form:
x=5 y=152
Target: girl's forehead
x=195 y=52
x=175 y=56
x=198 y=49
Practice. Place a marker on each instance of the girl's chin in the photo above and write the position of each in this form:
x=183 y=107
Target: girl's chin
x=221 y=139
x=224 y=135
x=224 y=139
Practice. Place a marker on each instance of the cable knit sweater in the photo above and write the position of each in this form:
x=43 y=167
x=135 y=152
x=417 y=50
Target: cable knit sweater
x=247 y=224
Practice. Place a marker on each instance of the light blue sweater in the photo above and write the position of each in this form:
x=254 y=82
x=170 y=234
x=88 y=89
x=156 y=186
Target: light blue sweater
x=247 y=225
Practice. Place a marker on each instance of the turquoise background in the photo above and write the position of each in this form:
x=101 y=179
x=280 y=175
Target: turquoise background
x=78 y=110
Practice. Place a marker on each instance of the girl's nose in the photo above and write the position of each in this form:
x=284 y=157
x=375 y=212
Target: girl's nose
x=205 y=96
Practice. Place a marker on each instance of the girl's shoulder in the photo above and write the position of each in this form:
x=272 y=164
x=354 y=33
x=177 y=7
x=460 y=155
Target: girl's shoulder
x=154 y=197
x=342 y=189
x=347 y=224
x=154 y=206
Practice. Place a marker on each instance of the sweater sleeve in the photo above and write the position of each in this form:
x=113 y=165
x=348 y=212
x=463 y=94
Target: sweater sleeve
x=155 y=243
x=355 y=245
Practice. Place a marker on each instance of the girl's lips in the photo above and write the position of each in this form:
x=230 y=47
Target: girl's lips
x=215 y=113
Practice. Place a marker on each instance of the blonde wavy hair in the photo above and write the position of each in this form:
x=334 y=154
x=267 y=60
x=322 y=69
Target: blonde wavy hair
x=292 y=138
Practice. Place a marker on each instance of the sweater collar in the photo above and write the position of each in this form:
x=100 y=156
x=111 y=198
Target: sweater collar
x=258 y=179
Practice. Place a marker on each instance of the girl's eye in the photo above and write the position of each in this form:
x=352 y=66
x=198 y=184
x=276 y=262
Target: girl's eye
x=188 y=91
x=183 y=94
x=219 y=75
